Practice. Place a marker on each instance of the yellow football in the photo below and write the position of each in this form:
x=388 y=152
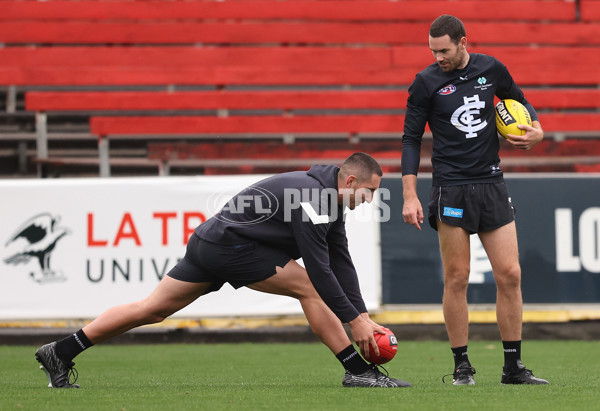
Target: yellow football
x=510 y=113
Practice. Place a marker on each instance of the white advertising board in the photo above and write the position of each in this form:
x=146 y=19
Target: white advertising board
x=96 y=243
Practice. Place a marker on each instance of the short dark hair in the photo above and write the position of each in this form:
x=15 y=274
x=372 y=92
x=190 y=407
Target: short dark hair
x=362 y=166
x=450 y=25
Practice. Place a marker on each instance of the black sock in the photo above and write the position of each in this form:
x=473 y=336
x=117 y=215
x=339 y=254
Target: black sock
x=460 y=356
x=512 y=354
x=352 y=361
x=71 y=346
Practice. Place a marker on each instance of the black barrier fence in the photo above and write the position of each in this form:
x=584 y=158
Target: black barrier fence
x=558 y=226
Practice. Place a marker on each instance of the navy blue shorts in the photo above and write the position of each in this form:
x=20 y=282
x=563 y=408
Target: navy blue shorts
x=238 y=265
x=474 y=207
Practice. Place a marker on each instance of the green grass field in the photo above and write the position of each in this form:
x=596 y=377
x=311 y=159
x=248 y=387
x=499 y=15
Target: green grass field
x=297 y=377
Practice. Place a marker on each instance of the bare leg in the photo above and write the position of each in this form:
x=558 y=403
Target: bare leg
x=292 y=280
x=456 y=255
x=168 y=297
x=503 y=252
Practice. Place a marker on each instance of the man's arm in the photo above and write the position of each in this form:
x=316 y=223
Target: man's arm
x=342 y=265
x=314 y=249
x=534 y=134
x=509 y=89
x=311 y=240
x=417 y=114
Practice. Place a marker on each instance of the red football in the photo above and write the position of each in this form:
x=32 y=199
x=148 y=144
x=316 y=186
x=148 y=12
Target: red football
x=388 y=347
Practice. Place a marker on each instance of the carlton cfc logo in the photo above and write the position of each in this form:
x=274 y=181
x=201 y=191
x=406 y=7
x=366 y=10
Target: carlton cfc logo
x=447 y=90
x=37 y=238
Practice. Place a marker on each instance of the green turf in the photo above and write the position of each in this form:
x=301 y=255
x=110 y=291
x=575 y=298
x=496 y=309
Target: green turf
x=297 y=377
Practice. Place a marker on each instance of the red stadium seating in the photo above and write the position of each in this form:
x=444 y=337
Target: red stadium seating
x=300 y=66
x=308 y=10
x=291 y=121
x=590 y=10
x=561 y=98
x=273 y=65
x=267 y=125
x=94 y=32
x=350 y=124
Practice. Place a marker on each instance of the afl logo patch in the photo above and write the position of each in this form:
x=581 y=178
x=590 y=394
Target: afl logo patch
x=447 y=90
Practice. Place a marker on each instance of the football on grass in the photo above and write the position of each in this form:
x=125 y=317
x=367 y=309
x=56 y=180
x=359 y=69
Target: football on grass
x=509 y=114
x=388 y=346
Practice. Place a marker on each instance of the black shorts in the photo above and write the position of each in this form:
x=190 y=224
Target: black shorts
x=238 y=265
x=474 y=207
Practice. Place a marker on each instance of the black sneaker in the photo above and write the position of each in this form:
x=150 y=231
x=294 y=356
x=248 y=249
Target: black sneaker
x=520 y=375
x=57 y=370
x=463 y=375
x=373 y=377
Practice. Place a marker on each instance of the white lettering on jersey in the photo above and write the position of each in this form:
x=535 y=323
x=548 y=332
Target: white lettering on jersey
x=312 y=214
x=464 y=118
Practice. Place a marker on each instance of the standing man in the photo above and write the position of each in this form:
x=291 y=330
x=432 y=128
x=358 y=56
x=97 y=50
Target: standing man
x=455 y=95
x=255 y=244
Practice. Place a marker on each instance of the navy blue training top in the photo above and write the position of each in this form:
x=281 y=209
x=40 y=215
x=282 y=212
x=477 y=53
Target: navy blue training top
x=459 y=107
x=277 y=217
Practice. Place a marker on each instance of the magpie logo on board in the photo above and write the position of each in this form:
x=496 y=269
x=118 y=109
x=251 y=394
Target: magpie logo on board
x=36 y=239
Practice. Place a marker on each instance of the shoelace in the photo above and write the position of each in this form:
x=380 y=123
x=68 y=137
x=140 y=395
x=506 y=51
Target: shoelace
x=444 y=377
x=455 y=372
x=525 y=371
x=72 y=373
x=378 y=367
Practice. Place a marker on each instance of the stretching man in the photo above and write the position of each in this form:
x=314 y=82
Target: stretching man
x=243 y=246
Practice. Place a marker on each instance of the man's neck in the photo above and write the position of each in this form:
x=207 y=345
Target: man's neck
x=465 y=61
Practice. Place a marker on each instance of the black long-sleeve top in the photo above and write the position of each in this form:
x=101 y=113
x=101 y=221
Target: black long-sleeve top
x=280 y=220
x=459 y=107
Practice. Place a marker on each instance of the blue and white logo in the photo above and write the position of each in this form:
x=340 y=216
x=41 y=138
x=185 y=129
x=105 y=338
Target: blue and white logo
x=453 y=212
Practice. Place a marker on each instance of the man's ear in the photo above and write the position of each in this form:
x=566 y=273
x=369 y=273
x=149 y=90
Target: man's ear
x=350 y=180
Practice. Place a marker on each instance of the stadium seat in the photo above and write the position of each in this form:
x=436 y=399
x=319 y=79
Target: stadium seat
x=214 y=100
x=590 y=10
